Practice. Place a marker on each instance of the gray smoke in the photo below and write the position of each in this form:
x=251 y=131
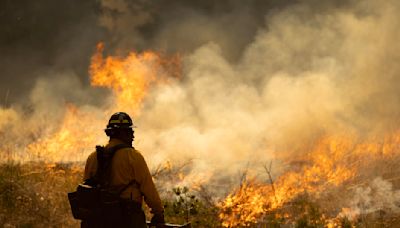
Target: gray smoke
x=378 y=195
x=258 y=78
x=308 y=71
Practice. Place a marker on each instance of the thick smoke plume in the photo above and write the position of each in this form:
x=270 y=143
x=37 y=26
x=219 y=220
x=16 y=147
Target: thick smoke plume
x=309 y=71
x=260 y=81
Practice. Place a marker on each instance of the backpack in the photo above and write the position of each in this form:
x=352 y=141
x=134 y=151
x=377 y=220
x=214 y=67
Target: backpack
x=92 y=199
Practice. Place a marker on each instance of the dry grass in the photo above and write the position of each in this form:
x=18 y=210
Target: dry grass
x=34 y=195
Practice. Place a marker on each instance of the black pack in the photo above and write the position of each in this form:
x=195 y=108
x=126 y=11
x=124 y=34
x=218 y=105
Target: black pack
x=92 y=199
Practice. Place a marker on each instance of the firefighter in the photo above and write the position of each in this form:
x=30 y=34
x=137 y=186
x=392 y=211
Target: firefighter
x=128 y=168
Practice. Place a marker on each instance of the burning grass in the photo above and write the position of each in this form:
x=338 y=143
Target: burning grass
x=334 y=181
x=331 y=187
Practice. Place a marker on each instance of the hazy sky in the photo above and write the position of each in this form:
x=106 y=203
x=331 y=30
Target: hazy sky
x=45 y=35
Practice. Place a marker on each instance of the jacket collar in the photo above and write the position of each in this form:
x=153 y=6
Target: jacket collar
x=114 y=142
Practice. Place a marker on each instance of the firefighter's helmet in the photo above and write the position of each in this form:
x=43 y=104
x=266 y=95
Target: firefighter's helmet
x=119 y=120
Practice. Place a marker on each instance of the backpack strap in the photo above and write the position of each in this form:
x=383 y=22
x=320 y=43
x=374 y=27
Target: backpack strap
x=104 y=166
x=104 y=159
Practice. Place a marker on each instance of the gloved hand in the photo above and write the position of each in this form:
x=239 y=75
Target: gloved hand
x=158 y=220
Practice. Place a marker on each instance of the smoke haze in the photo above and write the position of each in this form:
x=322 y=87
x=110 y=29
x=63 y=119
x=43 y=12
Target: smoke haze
x=259 y=80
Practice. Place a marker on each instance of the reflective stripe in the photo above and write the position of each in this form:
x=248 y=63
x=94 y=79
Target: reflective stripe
x=119 y=121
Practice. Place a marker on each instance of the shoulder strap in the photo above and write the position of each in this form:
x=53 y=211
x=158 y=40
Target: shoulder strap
x=104 y=158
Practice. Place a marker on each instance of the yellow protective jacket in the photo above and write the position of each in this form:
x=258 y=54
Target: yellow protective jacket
x=127 y=165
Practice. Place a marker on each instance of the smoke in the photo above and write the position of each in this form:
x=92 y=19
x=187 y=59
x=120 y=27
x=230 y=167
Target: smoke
x=38 y=37
x=259 y=80
x=379 y=195
x=308 y=71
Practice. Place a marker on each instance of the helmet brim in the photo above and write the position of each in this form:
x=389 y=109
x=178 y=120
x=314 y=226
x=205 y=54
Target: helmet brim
x=120 y=126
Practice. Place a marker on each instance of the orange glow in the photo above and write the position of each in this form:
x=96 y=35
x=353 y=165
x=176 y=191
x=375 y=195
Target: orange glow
x=246 y=205
x=70 y=141
x=332 y=162
x=130 y=80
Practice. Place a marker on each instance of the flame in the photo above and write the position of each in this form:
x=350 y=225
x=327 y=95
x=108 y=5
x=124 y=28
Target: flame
x=130 y=78
x=246 y=205
x=72 y=138
x=332 y=162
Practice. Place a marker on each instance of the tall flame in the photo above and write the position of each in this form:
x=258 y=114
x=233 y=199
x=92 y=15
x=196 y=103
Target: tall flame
x=130 y=78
